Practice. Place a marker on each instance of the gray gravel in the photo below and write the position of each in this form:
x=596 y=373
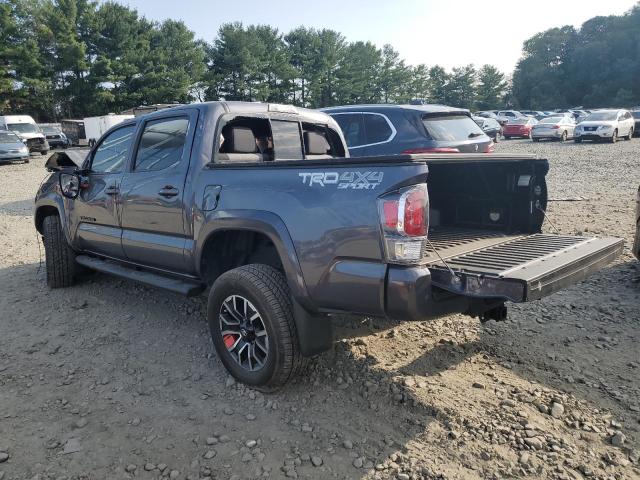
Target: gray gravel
x=109 y=379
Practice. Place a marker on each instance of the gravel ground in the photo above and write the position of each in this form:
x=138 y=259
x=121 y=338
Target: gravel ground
x=110 y=379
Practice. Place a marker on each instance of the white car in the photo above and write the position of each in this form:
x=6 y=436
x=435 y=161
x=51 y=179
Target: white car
x=606 y=125
x=555 y=127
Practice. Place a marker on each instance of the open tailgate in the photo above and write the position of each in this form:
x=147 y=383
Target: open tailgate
x=519 y=268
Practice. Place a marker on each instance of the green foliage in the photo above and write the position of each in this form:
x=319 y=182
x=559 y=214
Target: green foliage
x=595 y=66
x=77 y=58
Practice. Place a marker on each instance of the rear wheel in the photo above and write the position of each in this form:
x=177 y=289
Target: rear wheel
x=563 y=137
x=252 y=327
x=60 y=258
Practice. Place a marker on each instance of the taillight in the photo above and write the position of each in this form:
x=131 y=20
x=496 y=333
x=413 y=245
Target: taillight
x=404 y=217
x=413 y=151
x=555 y=127
x=490 y=148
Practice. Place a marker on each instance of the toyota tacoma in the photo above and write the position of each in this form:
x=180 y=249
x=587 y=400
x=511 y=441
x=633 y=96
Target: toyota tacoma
x=260 y=206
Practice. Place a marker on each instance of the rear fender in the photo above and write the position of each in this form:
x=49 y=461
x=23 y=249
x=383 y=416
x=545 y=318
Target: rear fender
x=265 y=223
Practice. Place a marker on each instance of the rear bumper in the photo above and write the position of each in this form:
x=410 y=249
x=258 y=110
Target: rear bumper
x=547 y=134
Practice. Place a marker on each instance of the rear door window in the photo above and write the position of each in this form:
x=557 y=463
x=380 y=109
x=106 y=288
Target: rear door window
x=352 y=125
x=287 y=144
x=451 y=128
x=377 y=128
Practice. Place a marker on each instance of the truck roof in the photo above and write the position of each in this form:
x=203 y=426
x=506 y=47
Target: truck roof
x=247 y=108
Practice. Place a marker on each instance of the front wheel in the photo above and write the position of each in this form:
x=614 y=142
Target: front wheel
x=252 y=327
x=60 y=258
x=563 y=137
x=614 y=137
x=630 y=136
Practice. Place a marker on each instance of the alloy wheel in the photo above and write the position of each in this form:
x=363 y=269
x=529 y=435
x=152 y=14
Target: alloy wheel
x=243 y=332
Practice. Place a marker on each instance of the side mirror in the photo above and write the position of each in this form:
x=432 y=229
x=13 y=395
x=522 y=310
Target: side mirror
x=69 y=184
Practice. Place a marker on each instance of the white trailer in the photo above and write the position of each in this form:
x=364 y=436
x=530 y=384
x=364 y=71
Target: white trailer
x=94 y=127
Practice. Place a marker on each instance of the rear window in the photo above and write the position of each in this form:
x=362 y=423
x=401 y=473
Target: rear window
x=287 y=144
x=551 y=120
x=352 y=126
x=451 y=127
x=8 y=137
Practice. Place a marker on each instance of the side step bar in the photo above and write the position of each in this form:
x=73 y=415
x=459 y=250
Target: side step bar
x=176 y=285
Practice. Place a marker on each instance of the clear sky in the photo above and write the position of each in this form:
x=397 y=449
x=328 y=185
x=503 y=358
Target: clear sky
x=445 y=32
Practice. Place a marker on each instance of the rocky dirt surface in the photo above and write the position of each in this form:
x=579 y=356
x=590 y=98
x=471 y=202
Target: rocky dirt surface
x=110 y=379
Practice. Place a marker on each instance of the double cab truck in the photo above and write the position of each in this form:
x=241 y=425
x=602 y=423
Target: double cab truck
x=261 y=207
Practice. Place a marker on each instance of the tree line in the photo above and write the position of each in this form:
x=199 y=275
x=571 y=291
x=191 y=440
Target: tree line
x=597 y=65
x=77 y=58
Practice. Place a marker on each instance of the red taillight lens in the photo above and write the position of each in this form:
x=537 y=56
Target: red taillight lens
x=415 y=221
x=390 y=211
x=490 y=148
x=555 y=127
x=414 y=151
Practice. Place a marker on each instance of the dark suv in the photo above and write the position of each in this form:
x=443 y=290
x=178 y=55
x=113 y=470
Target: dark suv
x=409 y=129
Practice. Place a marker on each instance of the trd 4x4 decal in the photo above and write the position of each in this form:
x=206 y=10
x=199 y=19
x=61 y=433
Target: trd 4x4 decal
x=354 y=180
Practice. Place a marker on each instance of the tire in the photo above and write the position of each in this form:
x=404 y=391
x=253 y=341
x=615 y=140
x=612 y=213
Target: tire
x=530 y=136
x=26 y=160
x=507 y=137
x=563 y=137
x=267 y=293
x=535 y=139
x=577 y=140
x=614 y=137
x=630 y=136
x=44 y=152
x=60 y=258
x=496 y=138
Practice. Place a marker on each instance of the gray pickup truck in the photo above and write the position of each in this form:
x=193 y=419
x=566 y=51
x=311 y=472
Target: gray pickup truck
x=260 y=206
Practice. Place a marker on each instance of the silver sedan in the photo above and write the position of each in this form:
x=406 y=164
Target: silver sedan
x=12 y=148
x=555 y=127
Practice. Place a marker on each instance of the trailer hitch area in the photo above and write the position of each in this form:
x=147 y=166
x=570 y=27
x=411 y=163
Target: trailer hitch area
x=499 y=314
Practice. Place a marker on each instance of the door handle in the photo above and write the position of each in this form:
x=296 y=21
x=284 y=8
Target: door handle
x=168 y=191
x=111 y=190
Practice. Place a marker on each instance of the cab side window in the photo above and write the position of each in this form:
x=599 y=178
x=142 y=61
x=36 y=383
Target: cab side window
x=161 y=144
x=112 y=152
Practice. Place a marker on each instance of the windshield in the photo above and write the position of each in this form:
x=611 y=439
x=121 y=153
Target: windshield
x=451 y=127
x=551 y=120
x=50 y=129
x=601 y=116
x=8 y=137
x=23 y=127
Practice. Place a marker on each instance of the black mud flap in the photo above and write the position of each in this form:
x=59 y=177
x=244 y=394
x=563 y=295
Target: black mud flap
x=524 y=268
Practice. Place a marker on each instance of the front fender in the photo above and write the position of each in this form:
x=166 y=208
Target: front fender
x=263 y=222
x=48 y=202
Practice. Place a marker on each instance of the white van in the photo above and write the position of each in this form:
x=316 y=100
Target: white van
x=26 y=128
